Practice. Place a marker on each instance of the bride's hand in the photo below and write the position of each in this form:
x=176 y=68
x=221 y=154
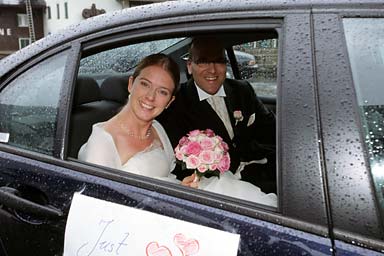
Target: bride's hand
x=189 y=181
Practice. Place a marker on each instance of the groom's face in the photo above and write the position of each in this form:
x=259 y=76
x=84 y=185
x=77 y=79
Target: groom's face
x=208 y=67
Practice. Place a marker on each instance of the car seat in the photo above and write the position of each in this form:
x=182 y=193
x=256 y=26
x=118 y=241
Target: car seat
x=93 y=104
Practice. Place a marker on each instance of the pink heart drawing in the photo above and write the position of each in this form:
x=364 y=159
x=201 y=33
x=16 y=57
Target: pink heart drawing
x=187 y=246
x=153 y=249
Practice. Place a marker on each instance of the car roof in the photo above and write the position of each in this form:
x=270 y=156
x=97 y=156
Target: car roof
x=168 y=10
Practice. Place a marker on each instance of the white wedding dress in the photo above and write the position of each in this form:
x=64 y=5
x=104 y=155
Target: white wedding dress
x=158 y=161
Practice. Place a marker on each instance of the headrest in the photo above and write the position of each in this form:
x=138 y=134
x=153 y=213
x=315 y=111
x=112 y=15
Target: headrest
x=87 y=90
x=115 y=88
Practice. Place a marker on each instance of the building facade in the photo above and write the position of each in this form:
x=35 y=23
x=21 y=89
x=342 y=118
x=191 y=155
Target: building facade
x=14 y=26
x=61 y=13
x=49 y=16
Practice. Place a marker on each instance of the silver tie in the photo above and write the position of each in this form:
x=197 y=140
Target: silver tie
x=218 y=104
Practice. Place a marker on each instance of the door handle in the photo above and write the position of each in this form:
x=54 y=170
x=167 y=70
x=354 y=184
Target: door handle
x=10 y=198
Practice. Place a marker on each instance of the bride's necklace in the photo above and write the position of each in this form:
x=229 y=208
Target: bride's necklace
x=133 y=135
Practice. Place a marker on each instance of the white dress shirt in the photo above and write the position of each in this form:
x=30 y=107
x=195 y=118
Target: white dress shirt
x=218 y=105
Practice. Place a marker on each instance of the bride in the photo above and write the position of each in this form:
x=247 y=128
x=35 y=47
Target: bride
x=133 y=141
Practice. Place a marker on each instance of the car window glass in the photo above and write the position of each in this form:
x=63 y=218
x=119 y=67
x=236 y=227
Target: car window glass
x=121 y=60
x=365 y=41
x=29 y=104
x=257 y=63
x=101 y=87
x=105 y=77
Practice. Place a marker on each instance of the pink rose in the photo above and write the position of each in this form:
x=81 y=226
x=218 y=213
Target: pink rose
x=213 y=167
x=179 y=155
x=184 y=140
x=193 y=148
x=218 y=155
x=183 y=149
x=209 y=132
x=238 y=115
x=224 y=163
x=220 y=148
x=207 y=143
x=207 y=157
x=202 y=168
x=225 y=146
x=194 y=133
x=192 y=162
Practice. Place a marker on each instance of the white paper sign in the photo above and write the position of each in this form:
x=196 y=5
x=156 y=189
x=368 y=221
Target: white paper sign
x=4 y=137
x=96 y=227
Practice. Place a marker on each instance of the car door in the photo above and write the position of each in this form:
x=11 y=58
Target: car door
x=38 y=180
x=351 y=113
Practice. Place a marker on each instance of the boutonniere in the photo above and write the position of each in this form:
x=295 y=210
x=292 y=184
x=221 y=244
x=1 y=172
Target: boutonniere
x=238 y=116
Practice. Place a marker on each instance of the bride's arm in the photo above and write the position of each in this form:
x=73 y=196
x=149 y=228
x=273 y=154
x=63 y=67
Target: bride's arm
x=99 y=150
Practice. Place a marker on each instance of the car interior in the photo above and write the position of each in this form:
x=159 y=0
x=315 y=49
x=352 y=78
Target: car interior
x=93 y=104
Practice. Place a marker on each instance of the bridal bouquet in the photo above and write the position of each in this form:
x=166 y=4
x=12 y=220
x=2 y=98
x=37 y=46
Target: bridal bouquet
x=204 y=152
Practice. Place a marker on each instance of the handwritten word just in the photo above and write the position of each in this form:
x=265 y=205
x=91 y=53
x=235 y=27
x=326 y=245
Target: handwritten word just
x=101 y=244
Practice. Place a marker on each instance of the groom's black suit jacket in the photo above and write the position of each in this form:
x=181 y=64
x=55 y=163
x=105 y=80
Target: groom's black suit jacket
x=251 y=142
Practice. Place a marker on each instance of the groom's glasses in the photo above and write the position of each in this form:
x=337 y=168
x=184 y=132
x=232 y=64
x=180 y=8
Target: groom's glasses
x=204 y=63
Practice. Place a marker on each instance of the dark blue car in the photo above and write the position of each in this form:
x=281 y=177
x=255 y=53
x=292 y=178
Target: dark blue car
x=320 y=68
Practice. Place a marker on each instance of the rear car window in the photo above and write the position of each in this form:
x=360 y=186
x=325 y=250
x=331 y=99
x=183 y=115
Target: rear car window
x=106 y=73
x=365 y=42
x=257 y=63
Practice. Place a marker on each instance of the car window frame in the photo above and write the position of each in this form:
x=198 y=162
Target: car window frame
x=92 y=46
x=157 y=30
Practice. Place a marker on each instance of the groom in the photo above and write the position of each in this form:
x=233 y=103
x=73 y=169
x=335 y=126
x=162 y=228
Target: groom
x=230 y=108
